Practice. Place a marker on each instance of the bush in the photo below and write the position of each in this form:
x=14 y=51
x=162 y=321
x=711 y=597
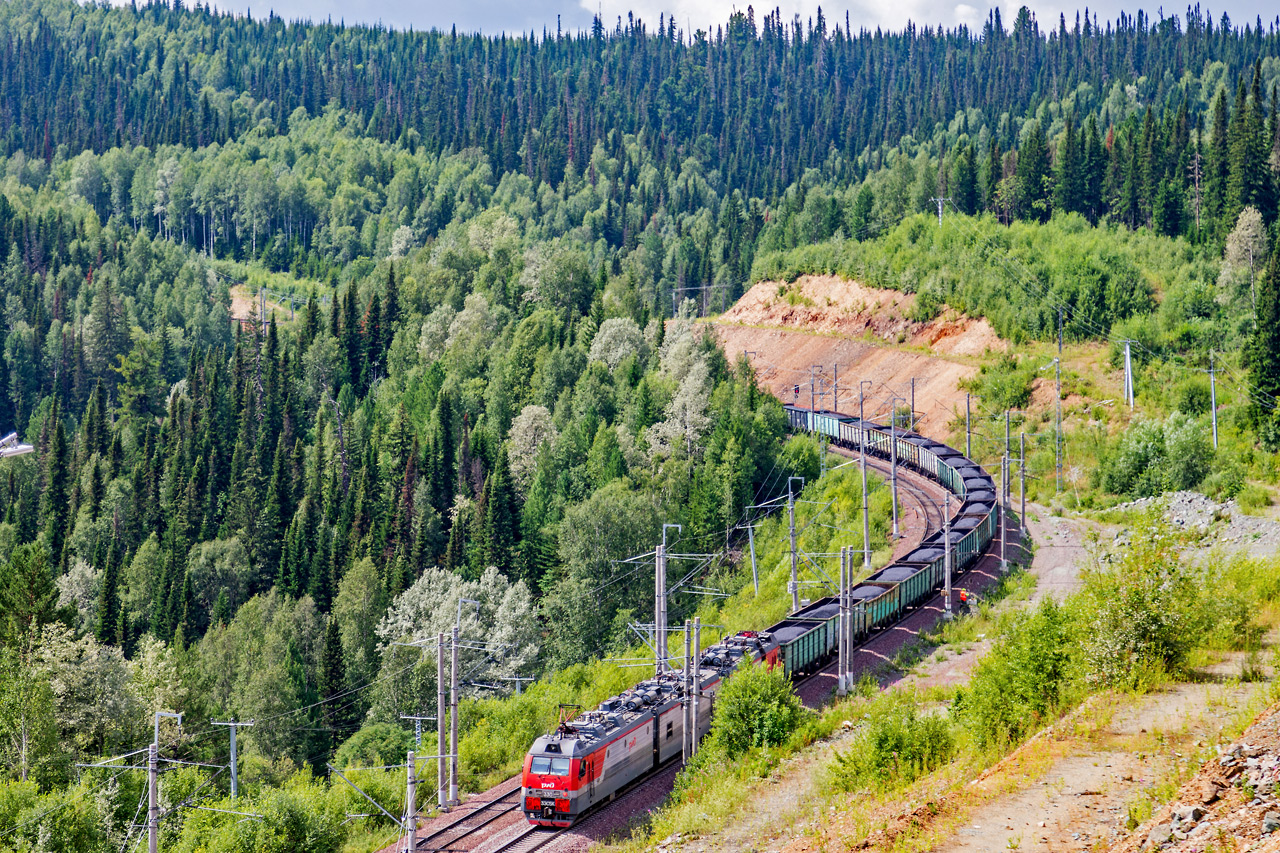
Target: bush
x=1155 y=456
x=757 y=707
x=896 y=745
x=1021 y=681
x=1148 y=607
x=1003 y=384
x=802 y=457
x=374 y=746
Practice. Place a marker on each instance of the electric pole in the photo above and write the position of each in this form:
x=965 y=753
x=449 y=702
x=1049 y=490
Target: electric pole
x=411 y=806
x=1213 y=399
x=893 y=461
x=1128 y=375
x=812 y=407
x=939 y=203
x=794 y=586
x=453 y=721
x=1004 y=526
x=840 y=622
x=835 y=388
x=417 y=725
x=153 y=799
x=968 y=430
x=697 y=676
x=659 y=600
x=686 y=721
x=862 y=453
x=946 y=554
x=235 y=787
x=441 y=718
x=1022 y=488
x=912 y=426
x=1057 y=439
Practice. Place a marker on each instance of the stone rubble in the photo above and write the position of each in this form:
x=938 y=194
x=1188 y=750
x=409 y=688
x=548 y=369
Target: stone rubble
x=1233 y=803
x=1199 y=514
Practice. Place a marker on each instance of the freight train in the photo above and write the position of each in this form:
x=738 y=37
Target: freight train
x=588 y=759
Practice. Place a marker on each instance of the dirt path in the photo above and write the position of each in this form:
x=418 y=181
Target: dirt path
x=1084 y=798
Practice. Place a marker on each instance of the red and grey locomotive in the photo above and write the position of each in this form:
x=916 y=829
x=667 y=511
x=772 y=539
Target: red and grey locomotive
x=587 y=760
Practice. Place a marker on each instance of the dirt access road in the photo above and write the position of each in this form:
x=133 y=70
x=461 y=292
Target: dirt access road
x=858 y=333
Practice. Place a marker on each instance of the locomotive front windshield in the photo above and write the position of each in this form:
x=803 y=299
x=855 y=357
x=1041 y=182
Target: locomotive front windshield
x=544 y=766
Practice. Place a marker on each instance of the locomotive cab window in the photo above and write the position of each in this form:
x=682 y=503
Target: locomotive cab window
x=582 y=768
x=670 y=730
x=542 y=765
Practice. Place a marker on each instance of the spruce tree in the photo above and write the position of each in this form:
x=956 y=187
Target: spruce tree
x=109 y=600
x=964 y=181
x=1069 y=173
x=1033 y=176
x=1262 y=353
x=55 y=510
x=333 y=685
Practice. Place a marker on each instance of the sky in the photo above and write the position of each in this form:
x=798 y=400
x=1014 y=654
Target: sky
x=511 y=16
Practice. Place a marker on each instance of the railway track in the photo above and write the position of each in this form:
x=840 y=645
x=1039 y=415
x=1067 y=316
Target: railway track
x=530 y=838
x=466 y=832
x=447 y=837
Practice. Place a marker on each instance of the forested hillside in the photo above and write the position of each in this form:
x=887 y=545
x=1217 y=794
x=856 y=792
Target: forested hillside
x=491 y=385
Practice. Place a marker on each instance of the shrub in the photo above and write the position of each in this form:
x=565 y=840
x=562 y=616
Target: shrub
x=1145 y=607
x=1022 y=679
x=757 y=707
x=1003 y=384
x=896 y=745
x=802 y=457
x=373 y=746
x=1154 y=456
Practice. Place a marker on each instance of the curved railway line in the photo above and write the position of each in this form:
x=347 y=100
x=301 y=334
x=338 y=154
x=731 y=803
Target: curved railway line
x=481 y=828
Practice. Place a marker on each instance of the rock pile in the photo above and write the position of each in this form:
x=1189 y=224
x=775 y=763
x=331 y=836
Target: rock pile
x=1231 y=804
x=1202 y=515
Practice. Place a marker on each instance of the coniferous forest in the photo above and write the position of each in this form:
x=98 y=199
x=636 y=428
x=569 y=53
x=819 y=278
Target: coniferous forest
x=478 y=373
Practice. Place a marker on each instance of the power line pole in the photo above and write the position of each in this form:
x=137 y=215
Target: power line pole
x=1022 y=488
x=946 y=554
x=1057 y=439
x=794 y=586
x=417 y=725
x=755 y=574
x=862 y=453
x=659 y=600
x=812 y=408
x=835 y=388
x=939 y=203
x=893 y=462
x=411 y=805
x=1004 y=525
x=697 y=677
x=441 y=721
x=1213 y=399
x=235 y=786
x=968 y=430
x=912 y=427
x=840 y=649
x=153 y=799
x=1128 y=375
x=686 y=719
x=453 y=721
